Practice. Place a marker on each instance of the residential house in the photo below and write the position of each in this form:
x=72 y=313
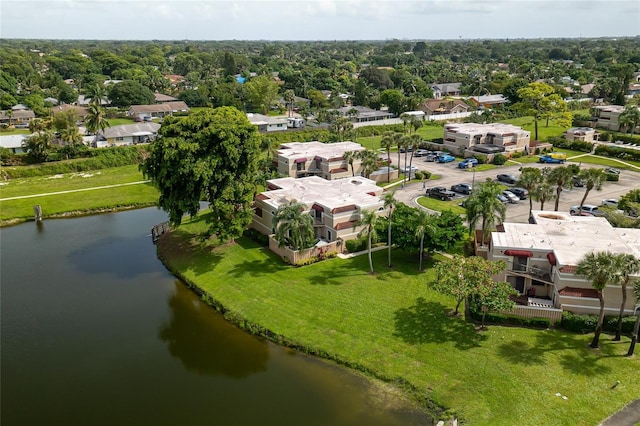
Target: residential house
x=361 y=114
x=443 y=106
x=161 y=98
x=326 y=160
x=13 y=143
x=446 y=89
x=583 y=134
x=468 y=138
x=268 y=124
x=85 y=101
x=634 y=89
x=157 y=110
x=174 y=79
x=82 y=112
x=542 y=258
x=17 y=117
x=129 y=134
x=336 y=206
x=489 y=101
x=606 y=116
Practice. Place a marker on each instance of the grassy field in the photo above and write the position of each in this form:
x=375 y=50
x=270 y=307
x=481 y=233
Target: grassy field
x=439 y=205
x=119 y=121
x=101 y=199
x=393 y=326
x=9 y=132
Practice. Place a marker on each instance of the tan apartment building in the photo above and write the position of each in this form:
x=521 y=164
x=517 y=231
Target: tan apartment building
x=606 y=117
x=336 y=206
x=582 y=134
x=461 y=138
x=542 y=257
x=326 y=160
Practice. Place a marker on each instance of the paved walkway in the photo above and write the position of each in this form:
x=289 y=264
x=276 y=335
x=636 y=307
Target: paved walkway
x=628 y=416
x=73 y=190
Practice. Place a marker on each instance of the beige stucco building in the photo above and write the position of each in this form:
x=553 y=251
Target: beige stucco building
x=542 y=258
x=326 y=160
x=336 y=206
x=606 y=116
x=583 y=134
x=462 y=137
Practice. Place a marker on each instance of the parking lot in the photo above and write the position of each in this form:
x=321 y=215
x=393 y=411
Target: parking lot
x=450 y=174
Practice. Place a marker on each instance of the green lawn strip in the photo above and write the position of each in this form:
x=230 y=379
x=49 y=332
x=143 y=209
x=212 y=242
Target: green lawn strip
x=607 y=162
x=70 y=181
x=543 y=131
x=10 y=132
x=85 y=201
x=119 y=121
x=392 y=325
x=439 y=205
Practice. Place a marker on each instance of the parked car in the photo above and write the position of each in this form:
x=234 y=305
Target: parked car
x=577 y=182
x=462 y=188
x=506 y=178
x=421 y=153
x=513 y=198
x=440 y=192
x=408 y=169
x=587 y=210
x=446 y=158
x=431 y=157
x=612 y=202
x=502 y=198
x=468 y=162
x=521 y=193
x=409 y=149
x=612 y=170
x=553 y=158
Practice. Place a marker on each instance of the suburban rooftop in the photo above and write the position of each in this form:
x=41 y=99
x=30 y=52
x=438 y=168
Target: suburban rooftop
x=472 y=128
x=293 y=150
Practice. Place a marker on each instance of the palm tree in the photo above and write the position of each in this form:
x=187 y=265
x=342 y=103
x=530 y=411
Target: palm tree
x=414 y=142
x=530 y=179
x=597 y=267
x=96 y=120
x=630 y=118
x=387 y=142
x=406 y=143
x=636 y=328
x=626 y=266
x=369 y=162
x=294 y=228
x=544 y=192
x=562 y=178
x=349 y=157
x=389 y=204
x=399 y=139
x=96 y=93
x=368 y=220
x=289 y=97
x=593 y=179
x=484 y=205
x=424 y=227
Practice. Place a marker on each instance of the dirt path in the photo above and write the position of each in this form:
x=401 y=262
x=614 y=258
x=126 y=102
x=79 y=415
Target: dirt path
x=74 y=190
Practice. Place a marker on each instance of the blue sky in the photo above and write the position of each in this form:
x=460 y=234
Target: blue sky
x=316 y=19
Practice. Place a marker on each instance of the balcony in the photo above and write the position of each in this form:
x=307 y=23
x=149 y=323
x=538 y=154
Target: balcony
x=534 y=272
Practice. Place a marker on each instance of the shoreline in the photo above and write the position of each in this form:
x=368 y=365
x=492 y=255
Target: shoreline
x=75 y=213
x=430 y=408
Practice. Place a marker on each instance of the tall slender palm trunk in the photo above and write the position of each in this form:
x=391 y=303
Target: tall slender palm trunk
x=634 y=336
x=596 y=338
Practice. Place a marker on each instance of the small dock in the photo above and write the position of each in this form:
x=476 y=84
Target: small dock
x=158 y=230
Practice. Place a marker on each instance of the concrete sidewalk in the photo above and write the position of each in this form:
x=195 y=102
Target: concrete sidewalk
x=628 y=416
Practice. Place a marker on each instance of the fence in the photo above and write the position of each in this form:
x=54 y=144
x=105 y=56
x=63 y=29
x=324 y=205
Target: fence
x=158 y=230
x=554 y=315
x=295 y=257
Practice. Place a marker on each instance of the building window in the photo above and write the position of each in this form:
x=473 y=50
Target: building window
x=300 y=166
x=329 y=236
x=119 y=139
x=258 y=212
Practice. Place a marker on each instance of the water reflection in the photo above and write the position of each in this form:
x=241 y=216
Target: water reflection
x=208 y=345
x=114 y=255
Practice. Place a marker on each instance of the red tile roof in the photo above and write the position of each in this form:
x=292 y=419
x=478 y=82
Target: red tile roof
x=345 y=225
x=579 y=292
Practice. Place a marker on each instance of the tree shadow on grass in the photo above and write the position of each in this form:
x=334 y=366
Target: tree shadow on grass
x=181 y=248
x=521 y=352
x=430 y=322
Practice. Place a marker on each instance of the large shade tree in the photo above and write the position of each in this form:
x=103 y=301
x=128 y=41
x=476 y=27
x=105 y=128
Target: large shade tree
x=597 y=267
x=540 y=101
x=630 y=118
x=210 y=155
x=294 y=227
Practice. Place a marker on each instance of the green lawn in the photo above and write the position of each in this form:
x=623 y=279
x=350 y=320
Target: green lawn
x=108 y=198
x=543 y=131
x=119 y=121
x=439 y=205
x=393 y=326
x=9 y=132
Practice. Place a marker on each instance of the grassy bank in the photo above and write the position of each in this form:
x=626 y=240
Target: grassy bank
x=75 y=203
x=393 y=326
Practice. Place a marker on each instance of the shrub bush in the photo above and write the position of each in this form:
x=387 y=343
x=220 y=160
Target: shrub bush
x=256 y=236
x=356 y=245
x=611 y=177
x=587 y=323
x=508 y=319
x=499 y=159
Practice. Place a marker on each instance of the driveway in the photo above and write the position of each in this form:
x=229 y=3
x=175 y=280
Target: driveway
x=450 y=174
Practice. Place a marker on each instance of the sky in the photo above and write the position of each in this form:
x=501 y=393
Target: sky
x=317 y=19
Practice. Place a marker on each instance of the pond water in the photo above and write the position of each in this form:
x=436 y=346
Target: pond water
x=95 y=331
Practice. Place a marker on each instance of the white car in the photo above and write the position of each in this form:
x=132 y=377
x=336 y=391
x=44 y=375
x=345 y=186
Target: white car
x=613 y=202
x=513 y=198
x=408 y=169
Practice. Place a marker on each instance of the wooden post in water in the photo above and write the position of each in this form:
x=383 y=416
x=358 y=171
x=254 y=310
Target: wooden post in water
x=37 y=212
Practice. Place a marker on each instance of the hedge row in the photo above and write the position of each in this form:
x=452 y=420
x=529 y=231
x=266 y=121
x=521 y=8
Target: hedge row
x=99 y=159
x=618 y=152
x=508 y=319
x=587 y=323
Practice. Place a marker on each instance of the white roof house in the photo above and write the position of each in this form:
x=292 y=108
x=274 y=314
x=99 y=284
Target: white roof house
x=13 y=143
x=298 y=159
x=543 y=257
x=266 y=123
x=129 y=134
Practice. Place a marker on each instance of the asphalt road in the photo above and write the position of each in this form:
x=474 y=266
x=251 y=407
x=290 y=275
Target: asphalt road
x=450 y=174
